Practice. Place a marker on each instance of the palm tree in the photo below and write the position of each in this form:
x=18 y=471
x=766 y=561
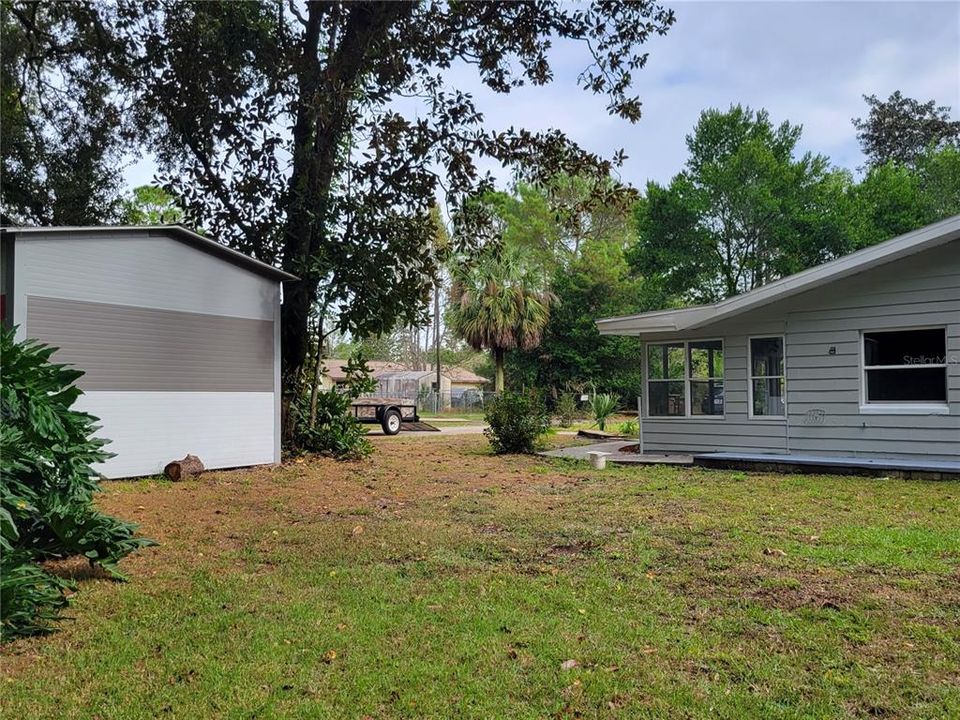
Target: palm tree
x=498 y=303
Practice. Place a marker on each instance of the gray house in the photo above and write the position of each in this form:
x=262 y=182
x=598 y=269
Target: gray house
x=859 y=357
x=179 y=337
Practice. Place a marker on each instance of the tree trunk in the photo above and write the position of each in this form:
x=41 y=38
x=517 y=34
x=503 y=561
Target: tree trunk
x=498 y=361
x=179 y=469
x=436 y=339
x=317 y=374
x=317 y=142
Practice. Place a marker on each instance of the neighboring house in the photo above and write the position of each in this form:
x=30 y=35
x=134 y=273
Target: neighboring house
x=463 y=381
x=178 y=337
x=856 y=357
x=410 y=384
x=403 y=381
x=335 y=374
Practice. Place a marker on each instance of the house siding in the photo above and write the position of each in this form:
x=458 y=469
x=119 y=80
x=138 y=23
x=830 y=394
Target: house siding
x=824 y=390
x=181 y=347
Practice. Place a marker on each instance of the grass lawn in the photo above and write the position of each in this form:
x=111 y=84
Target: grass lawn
x=613 y=423
x=434 y=580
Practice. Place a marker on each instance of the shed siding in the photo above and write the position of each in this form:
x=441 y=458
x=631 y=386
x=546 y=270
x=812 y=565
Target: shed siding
x=139 y=270
x=148 y=429
x=181 y=347
x=120 y=347
x=823 y=390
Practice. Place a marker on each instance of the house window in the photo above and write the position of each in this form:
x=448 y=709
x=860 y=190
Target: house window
x=685 y=378
x=905 y=366
x=666 y=395
x=767 y=385
x=705 y=363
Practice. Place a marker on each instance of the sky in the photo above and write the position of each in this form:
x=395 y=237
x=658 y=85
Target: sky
x=806 y=62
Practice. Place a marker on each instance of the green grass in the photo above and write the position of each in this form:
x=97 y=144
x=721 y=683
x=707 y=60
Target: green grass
x=613 y=423
x=436 y=581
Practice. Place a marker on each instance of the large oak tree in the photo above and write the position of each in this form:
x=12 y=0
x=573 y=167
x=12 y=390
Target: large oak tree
x=316 y=135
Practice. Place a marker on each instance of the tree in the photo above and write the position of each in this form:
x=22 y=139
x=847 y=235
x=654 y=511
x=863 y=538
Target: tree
x=900 y=129
x=744 y=211
x=579 y=241
x=317 y=135
x=554 y=218
x=151 y=205
x=60 y=128
x=573 y=355
x=498 y=303
x=894 y=198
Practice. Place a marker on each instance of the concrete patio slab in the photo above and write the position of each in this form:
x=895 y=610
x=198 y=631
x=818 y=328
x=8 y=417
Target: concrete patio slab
x=579 y=452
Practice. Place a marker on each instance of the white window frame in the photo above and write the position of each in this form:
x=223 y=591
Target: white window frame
x=900 y=407
x=687 y=394
x=751 y=377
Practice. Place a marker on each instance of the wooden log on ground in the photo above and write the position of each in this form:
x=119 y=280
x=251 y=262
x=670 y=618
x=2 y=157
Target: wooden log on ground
x=180 y=469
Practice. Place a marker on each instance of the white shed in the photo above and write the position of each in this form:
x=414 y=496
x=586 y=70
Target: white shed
x=178 y=337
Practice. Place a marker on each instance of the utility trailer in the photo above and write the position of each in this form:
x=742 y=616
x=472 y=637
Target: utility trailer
x=387 y=413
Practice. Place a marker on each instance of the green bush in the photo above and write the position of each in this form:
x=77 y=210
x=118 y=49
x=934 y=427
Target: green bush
x=516 y=420
x=567 y=411
x=602 y=407
x=47 y=488
x=335 y=431
x=629 y=428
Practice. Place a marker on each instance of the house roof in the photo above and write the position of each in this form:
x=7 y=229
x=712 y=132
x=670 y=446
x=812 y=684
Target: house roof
x=463 y=376
x=690 y=318
x=336 y=368
x=176 y=232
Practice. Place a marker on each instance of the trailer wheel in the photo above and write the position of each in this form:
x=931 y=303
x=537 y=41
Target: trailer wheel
x=391 y=421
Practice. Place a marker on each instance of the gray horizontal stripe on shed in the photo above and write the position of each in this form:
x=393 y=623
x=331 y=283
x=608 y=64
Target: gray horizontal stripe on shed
x=144 y=349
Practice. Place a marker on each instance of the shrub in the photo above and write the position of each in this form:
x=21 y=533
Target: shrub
x=629 y=428
x=516 y=420
x=602 y=407
x=567 y=411
x=47 y=488
x=335 y=431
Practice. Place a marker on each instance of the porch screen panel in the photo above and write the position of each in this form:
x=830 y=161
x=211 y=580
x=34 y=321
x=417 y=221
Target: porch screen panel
x=705 y=360
x=767 y=380
x=665 y=380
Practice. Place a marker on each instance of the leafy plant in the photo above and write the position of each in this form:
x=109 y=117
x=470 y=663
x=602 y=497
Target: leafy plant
x=516 y=422
x=47 y=486
x=629 y=428
x=603 y=406
x=567 y=411
x=335 y=431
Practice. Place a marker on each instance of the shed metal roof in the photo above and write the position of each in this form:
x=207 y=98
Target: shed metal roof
x=176 y=232
x=690 y=318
